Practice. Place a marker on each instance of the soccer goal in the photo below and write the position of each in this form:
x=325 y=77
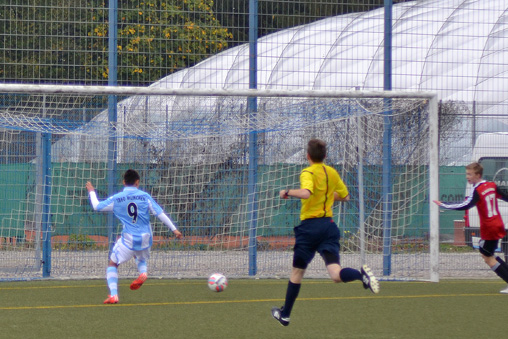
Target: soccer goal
x=215 y=160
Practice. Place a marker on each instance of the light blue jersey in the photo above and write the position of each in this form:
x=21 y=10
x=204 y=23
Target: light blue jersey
x=133 y=207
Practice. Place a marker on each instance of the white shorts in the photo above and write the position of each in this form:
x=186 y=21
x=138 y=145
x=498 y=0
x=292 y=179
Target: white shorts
x=122 y=253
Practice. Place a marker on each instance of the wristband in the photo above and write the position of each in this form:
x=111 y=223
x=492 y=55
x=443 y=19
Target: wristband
x=286 y=194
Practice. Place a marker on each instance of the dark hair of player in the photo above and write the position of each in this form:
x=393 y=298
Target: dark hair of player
x=130 y=177
x=317 y=150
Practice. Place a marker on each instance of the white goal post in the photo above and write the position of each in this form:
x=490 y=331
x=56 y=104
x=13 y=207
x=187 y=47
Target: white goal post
x=214 y=159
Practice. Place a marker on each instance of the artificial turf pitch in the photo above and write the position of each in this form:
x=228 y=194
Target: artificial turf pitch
x=188 y=309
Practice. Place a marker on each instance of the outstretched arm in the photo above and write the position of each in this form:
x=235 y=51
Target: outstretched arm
x=165 y=219
x=105 y=207
x=91 y=193
x=462 y=206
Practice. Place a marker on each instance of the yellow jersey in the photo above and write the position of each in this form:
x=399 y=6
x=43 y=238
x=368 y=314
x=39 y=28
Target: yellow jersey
x=322 y=181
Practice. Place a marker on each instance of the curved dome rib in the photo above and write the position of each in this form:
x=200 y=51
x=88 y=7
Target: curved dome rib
x=498 y=23
x=333 y=46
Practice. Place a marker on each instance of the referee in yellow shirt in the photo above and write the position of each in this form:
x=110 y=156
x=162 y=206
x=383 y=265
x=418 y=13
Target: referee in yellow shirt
x=320 y=186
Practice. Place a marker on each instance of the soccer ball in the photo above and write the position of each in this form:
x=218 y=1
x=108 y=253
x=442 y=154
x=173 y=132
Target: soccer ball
x=217 y=282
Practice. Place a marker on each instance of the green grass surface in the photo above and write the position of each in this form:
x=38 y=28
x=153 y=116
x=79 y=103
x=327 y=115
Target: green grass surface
x=188 y=309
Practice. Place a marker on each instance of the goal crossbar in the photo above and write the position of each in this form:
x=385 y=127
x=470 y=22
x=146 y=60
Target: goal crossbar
x=127 y=91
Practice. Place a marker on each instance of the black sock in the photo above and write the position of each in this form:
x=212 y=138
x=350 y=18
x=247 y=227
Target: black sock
x=502 y=262
x=291 y=295
x=502 y=269
x=349 y=274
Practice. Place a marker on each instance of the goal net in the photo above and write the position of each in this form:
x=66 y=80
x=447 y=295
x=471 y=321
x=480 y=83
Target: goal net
x=215 y=161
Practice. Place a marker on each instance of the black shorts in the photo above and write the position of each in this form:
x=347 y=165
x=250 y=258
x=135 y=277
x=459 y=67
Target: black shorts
x=488 y=247
x=316 y=235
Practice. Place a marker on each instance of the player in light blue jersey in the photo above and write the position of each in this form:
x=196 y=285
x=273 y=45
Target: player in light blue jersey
x=133 y=207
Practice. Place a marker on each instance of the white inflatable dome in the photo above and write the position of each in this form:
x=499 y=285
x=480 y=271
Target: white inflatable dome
x=457 y=48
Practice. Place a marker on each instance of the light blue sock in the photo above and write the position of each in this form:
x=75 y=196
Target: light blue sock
x=112 y=277
x=142 y=266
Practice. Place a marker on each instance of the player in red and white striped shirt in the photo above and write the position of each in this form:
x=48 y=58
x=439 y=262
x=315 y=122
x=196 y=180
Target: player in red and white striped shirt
x=484 y=195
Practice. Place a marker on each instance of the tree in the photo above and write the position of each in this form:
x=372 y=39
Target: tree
x=48 y=41
x=455 y=125
x=42 y=41
x=158 y=37
x=275 y=15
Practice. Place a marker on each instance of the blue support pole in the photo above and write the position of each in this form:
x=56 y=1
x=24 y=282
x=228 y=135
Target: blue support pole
x=387 y=144
x=112 y=110
x=253 y=159
x=46 y=205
